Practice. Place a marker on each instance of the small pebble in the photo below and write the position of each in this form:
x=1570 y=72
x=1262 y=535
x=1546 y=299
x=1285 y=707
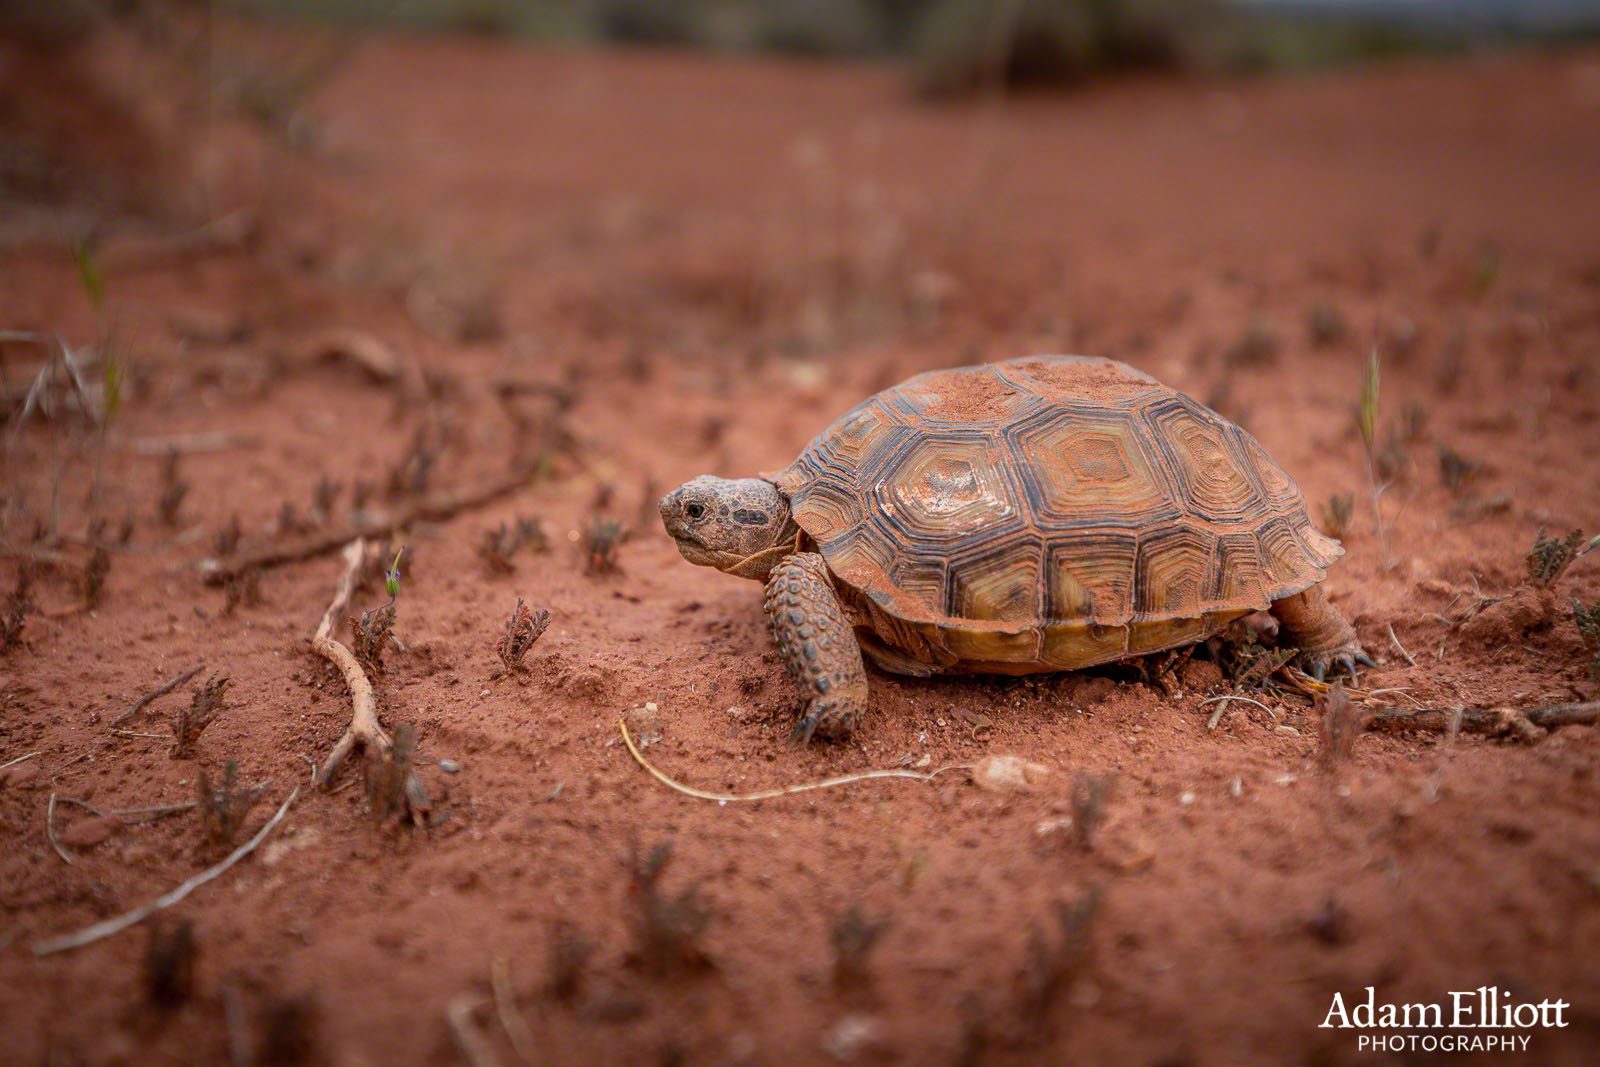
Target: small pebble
x=1186 y=799
x=449 y=766
x=1288 y=731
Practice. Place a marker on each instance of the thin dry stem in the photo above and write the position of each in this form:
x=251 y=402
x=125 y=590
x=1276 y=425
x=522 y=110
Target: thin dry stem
x=105 y=929
x=435 y=507
x=157 y=693
x=769 y=794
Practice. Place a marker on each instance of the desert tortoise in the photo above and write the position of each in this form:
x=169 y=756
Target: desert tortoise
x=1041 y=514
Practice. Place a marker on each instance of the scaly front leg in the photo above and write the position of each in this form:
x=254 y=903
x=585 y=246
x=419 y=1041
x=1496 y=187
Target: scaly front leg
x=819 y=646
x=1320 y=632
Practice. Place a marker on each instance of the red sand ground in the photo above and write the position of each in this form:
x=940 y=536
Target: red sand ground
x=712 y=259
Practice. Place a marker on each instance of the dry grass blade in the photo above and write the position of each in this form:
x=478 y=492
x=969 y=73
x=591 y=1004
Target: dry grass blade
x=505 y=1004
x=470 y=1041
x=782 y=791
x=50 y=831
x=105 y=929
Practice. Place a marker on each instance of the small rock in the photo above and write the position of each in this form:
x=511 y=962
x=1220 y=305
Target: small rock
x=739 y=713
x=645 y=724
x=1287 y=731
x=1055 y=826
x=449 y=766
x=1186 y=799
x=851 y=1036
x=1009 y=774
x=86 y=833
x=20 y=776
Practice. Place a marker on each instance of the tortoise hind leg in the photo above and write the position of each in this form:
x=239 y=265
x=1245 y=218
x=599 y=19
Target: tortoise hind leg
x=891 y=660
x=1323 y=636
x=819 y=646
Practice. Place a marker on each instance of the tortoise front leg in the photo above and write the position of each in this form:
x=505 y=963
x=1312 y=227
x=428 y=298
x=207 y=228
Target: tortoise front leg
x=1320 y=632
x=819 y=646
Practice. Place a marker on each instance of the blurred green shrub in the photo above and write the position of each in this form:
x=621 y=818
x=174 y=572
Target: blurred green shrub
x=962 y=44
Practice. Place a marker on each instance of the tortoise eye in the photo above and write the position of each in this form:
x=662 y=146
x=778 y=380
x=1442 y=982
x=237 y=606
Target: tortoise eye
x=694 y=511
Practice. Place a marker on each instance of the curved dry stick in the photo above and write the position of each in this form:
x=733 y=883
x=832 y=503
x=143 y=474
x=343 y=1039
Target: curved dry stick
x=364 y=727
x=781 y=791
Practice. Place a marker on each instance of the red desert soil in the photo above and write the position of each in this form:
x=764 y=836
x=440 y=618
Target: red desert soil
x=696 y=264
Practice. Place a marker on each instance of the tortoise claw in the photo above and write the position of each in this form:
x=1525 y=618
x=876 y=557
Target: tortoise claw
x=1339 y=660
x=801 y=736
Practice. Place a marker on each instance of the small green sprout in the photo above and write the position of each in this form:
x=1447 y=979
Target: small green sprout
x=391 y=577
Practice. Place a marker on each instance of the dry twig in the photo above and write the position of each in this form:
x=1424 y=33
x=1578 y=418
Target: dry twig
x=364 y=728
x=435 y=507
x=157 y=693
x=769 y=794
x=105 y=929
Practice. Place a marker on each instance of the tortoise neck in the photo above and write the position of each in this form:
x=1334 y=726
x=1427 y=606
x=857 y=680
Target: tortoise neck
x=758 y=565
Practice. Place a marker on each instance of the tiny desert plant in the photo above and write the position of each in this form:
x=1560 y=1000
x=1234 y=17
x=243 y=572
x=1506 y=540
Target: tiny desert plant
x=667 y=930
x=386 y=778
x=500 y=543
x=852 y=939
x=1327 y=324
x=1454 y=468
x=600 y=539
x=374 y=628
x=1550 y=557
x=202 y=711
x=1336 y=514
x=1050 y=967
x=570 y=950
x=95 y=572
x=1259 y=344
x=409 y=477
x=243 y=589
x=1588 y=620
x=324 y=495
x=18 y=605
x=169 y=959
x=223 y=806
x=1342 y=722
x=173 y=490
x=1090 y=795
x=495 y=548
x=227 y=538
x=523 y=628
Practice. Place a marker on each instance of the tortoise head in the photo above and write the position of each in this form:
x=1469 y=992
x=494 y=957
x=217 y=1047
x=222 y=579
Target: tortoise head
x=740 y=526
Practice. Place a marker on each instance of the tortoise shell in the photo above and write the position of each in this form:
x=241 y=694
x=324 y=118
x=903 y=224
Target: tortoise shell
x=1048 y=513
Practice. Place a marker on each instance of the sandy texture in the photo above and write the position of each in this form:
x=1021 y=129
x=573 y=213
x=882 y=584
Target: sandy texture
x=695 y=266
